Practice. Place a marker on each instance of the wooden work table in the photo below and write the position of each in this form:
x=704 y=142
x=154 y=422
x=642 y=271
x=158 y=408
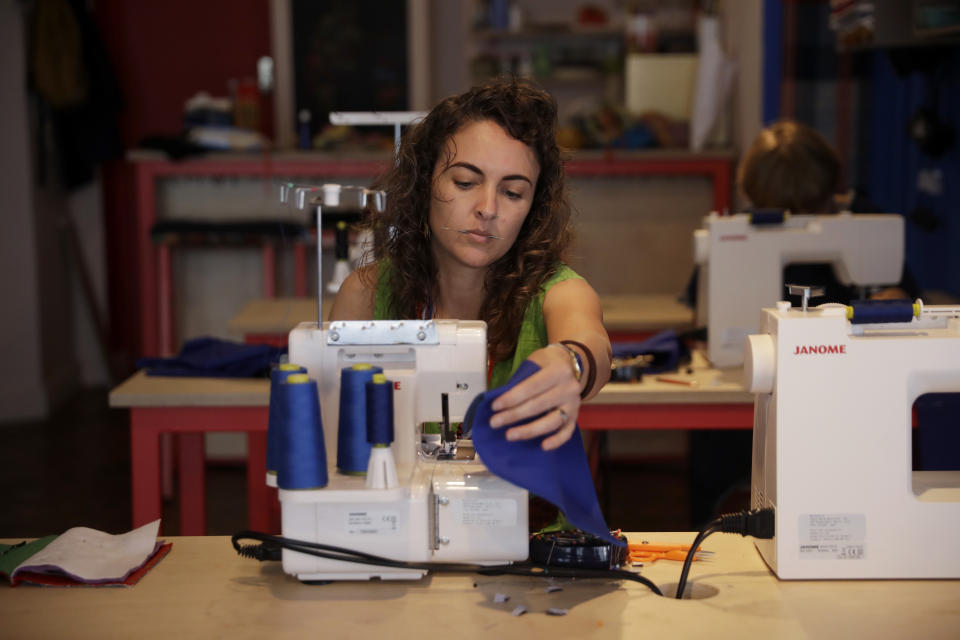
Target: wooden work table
x=202 y=589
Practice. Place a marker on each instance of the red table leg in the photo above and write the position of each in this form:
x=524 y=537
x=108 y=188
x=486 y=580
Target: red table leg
x=189 y=424
x=144 y=467
x=269 y=258
x=193 y=485
x=300 y=269
x=258 y=493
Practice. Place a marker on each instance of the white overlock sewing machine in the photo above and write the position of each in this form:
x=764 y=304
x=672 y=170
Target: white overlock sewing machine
x=832 y=439
x=741 y=262
x=442 y=505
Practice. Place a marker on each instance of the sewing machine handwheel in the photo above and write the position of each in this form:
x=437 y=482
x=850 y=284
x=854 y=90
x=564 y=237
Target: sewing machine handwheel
x=758 y=363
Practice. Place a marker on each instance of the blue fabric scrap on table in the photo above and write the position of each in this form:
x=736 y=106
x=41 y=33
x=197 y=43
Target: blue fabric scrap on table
x=215 y=358
x=667 y=349
x=561 y=476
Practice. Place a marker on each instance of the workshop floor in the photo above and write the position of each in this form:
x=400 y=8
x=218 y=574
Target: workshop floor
x=74 y=470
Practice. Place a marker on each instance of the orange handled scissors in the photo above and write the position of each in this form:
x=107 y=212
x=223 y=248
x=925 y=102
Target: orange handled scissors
x=647 y=552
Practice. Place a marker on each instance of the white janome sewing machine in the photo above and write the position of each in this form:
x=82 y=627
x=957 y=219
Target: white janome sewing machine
x=832 y=441
x=741 y=266
x=442 y=505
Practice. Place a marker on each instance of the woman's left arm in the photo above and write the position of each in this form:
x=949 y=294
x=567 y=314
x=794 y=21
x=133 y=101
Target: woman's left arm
x=574 y=324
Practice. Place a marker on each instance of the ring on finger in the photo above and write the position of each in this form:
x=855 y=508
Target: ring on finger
x=563 y=416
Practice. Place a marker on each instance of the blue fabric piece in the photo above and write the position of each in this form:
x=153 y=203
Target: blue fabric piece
x=561 y=476
x=213 y=357
x=666 y=347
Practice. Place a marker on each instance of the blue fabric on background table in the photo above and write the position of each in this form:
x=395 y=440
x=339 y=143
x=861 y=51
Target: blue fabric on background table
x=666 y=348
x=215 y=358
x=561 y=476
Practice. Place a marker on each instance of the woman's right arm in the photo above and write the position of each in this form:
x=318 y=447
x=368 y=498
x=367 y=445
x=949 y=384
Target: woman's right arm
x=357 y=295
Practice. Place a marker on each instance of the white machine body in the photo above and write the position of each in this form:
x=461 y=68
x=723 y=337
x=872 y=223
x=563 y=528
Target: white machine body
x=741 y=266
x=440 y=510
x=832 y=444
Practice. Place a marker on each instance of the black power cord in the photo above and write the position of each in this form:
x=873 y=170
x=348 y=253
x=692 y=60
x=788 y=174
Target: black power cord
x=270 y=547
x=758 y=523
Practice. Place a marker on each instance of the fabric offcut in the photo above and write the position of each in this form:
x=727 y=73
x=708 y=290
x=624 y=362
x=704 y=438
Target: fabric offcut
x=561 y=476
x=666 y=347
x=217 y=358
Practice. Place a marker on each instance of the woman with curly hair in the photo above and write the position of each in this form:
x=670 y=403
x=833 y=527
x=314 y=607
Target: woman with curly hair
x=476 y=227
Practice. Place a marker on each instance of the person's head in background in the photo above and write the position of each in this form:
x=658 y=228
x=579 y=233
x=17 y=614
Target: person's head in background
x=404 y=236
x=790 y=166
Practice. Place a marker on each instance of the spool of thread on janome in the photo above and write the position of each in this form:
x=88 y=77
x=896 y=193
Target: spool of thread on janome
x=381 y=467
x=379 y=410
x=274 y=426
x=353 y=450
x=877 y=311
x=303 y=456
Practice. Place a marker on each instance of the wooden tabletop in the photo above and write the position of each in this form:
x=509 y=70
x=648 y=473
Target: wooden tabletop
x=141 y=390
x=697 y=383
x=275 y=315
x=620 y=313
x=202 y=589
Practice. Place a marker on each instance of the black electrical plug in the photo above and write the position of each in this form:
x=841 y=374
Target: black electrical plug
x=758 y=523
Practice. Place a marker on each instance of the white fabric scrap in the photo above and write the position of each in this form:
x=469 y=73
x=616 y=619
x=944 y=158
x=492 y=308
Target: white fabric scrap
x=500 y=597
x=88 y=555
x=518 y=610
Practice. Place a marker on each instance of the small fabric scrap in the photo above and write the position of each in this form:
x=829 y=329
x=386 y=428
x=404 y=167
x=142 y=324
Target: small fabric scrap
x=557 y=612
x=518 y=610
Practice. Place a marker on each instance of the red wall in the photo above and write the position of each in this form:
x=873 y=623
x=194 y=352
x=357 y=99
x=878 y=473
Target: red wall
x=163 y=53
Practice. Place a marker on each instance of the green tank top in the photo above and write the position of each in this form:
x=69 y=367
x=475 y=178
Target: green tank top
x=533 y=330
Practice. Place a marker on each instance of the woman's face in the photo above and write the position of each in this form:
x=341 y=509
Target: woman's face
x=482 y=187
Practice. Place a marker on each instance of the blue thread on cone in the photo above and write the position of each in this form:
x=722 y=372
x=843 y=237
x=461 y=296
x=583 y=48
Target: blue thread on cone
x=379 y=410
x=353 y=450
x=303 y=456
x=274 y=426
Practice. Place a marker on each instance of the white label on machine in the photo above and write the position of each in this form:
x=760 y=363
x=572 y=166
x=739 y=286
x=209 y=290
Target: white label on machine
x=488 y=512
x=373 y=521
x=833 y=536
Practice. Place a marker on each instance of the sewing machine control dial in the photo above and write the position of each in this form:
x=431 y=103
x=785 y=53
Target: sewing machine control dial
x=759 y=363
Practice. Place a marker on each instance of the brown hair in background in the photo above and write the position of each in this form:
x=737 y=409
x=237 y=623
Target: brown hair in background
x=790 y=166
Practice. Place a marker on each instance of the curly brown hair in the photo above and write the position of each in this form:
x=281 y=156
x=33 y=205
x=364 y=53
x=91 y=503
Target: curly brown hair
x=402 y=235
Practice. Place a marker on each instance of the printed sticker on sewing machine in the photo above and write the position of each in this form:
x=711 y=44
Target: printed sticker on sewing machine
x=372 y=522
x=487 y=512
x=833 y=536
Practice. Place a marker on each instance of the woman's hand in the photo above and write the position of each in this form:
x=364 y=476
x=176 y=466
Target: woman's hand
x=553 y=389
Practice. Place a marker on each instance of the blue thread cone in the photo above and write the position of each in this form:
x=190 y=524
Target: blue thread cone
x=303 y=457
x=274 y=427
x=379 y=410
x=353 y=450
